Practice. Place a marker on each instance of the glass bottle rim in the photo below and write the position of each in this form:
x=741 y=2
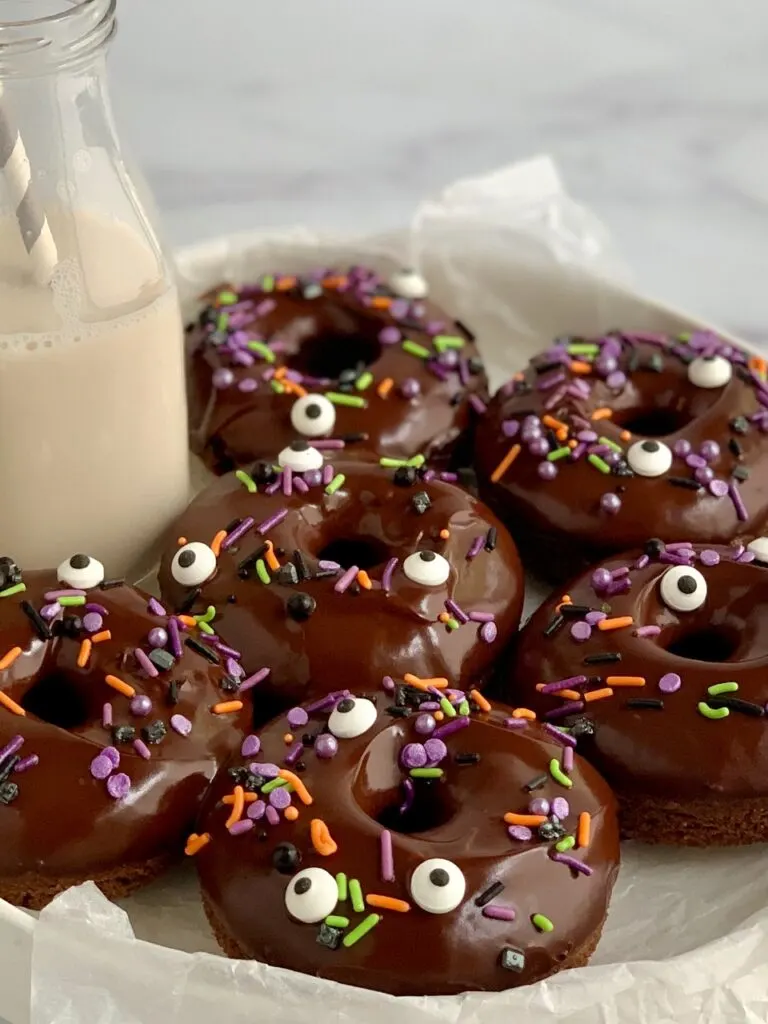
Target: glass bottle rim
x=69 y=34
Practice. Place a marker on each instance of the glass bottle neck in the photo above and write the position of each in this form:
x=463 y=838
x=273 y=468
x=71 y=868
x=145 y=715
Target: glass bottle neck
x=43 y=37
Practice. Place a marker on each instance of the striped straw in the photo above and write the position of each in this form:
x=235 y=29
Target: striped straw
x=32 y=221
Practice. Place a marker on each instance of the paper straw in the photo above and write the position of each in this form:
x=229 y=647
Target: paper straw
x=30 y=215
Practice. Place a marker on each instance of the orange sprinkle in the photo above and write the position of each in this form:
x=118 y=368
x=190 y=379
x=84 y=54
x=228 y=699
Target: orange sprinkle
x=443 y=617
x=364 y=580
x=550 y=421
x=249 y=798
x=758 y=364
x=117 y=684
x=480 y=700
x=11 y=704
x=195 y=843
x=335 y=282
x=438 y=715
x=216 y=542
x=99 y=638
x=284 y=284
x=270 y=557
x=625 y=681
x=577 y=366
x=280 y=372
x=8 y=659
x=288 y=738
x=226 y=706
x=188 y=620
x=181 y=541
x=291 y=813
x=625 y=435
x=505 y=463
x=524 y=819
x=387 y=903
x=439 y=682
x=572 y=443
x=561 y=434
x=524 y=713
x=519 y=375
x=565 y=694
x=445 y=534
x=598 y=694
x=381 y=302
x=84 y=654
x=321 y=838
x=618 y=623
x=299 y=788
x=385 y=387
x=238 y=806
x=582 y=834
x=602 y=414
x=293 y=388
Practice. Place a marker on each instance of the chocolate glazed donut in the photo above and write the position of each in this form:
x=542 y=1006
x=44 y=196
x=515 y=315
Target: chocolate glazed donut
x=659 y=663
x=332 y=356
x=603 y=443
x=332 y=573
x=409 y=856
x=112 y=723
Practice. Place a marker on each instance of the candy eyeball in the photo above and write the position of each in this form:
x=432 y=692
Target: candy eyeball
x=81 y=572
x=193 y=564
x=438 y=886
x=759 y=548
x=427 y=568
x=408 y=284
x=301 y=457
x=709 y=371
x=313 y=416
x=649 y=458
x=351 y=717
x=311 y=895
x=683 y=588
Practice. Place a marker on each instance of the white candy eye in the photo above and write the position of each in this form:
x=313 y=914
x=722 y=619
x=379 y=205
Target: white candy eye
x=81 y=572
x=311 y=895
x=408 y=284
x=759 y=548
x=683 y=589
x=300 y=457
x=427 y=568
x=352 y=717
x=709 y=371
x=313 y=416
x=193 y=564
x=649 y=458
x=438 y=886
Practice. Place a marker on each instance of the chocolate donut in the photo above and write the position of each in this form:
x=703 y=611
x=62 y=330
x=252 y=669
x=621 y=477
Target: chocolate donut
x=331 y=572
x=412 y=857
x=331 y=356
x=113 y=722
x=659 y=663
x=600 y=444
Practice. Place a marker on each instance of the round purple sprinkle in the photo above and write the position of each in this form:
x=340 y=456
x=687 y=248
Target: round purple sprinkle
x=539 y=446
x=617 y=379
x=612 y=458
x=251 y=746
x=709 y=557
x=601 y=579
x=92 y=622
x=326 y=746
x=531 y=421
x=610 y=502
x=520 y=832
x=141 y=705
x=410 y=388
x=594 y=617
x=528 y=434
x=280 y=798
x=50 y=611
x=425 y=724
x=157 y=637
x=389 y=335
x=101 y=767
x=719 y=488
x=266 y=769
x=488 y=632
x=539 y=806
x=118 y=785
x=449 y=358
x=547 y=470
x=256 y=810
x=560 y=808
x=581 y=631
x=704 y=474
x=413 y=755
x=695 y=461
x=606 y=365
x=181 y=724
x=313 y=477
x=223 y=378
x=681 y=448
x=248 y=384
x=670 y=682
x=297 y=717
x=113 y=754
x=710 y=450
x=436 y=750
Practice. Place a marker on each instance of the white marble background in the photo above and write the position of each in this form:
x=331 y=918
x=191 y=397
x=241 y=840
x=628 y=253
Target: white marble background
x=343 y=113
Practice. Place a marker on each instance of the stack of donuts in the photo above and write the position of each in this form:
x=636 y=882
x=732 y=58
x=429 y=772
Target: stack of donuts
x=328 y=706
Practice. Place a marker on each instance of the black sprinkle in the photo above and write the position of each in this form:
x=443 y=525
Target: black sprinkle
x=162 y=659
x=645 y=702
x=398 y=712
x=491 y=538
x=329 y=937
x=536 y=783
x=301 y=606
x=404 y=476
x=233 y=525
x=456 y=398
x=490 y=893
x=229 y=684
x=467 y=758
x=420 y=502
x=736 y=448
x=155 y=732
x=263 y=472
x=653 y=547
x=684 y=481
x=602 y=659
x=189 y=601
x=111 y=584
x=8 y=766
x=741 y=473
x=540 y=368
x=42 y=628
x=8 y=792
x=475 y=364
x=354 y=438
x=287 y=574
x=634 y=361
x=231 y=599
x=123 y=734
x=655 y=364
x=745 y=707
x=574 y=611
x=325 y=574
x=580 y=726
x=248 y=564
x=463 y=327
x=173 y=692
x=550 y=830
x=250 y=781
x=739 y=425
x=512 y=959
x=467 y=477
x=202 y=649
x=555 y=624
x=552 y=438
x=301 y=565
x=71 y=626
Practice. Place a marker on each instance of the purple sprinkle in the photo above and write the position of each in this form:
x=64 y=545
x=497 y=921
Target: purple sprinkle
x=145 y=664
x=154 y=607
x=450 y=727
x=616 y=380
x=238 y=533
x=481 y=616
x=297 y=717
x=299 y=484
x=644 y=631
x=581 y=631
x=273 y=521
x=488 y=632
x=386 y=576
x=458 y=613
x=510 y=428
x=326 y=746
x=273 y=818
x=266 y=769
x=594 y=617
x=239 y=827
x=550 y=380
x=520 y=832
x=250 y=747
x=617 y=574
x=265 y=307
x=54 y=595
x=234 y=668
x=229 y=652
x=254 y=680
x=498 y=913
x=567 y=763
x=181 y=724
x=642 y=561
x=563 y=684
x=280 y=798
x=389 y=335
x=436 y=750
x=681 y=448
x=571 y=862
x=294 y=754
x=555 y=398
x=429 y=705
x=324 y=704
x=222 y=378
x=141 y=705
x=413 y=755
x=328 y=473
x=287 y=481
x=344 y=582
x=248 y=383
x=157 y=637
x=26 y=763
x=92 y=622
x=388 y=684
x=561 y=737
x=547 y=470
x=587 y=436
x=173 y=632
x=256 y=810
x=671 y=558
x=101 y=767
x=275 y=486
x=670 y=682
x=50 y=611
x=539 y=805
x=429 y=475
x=425 y=724
x=99 y=609
x=474 y=549
x=566 y=709
x=113 y=754
x=719 y=488
x=11 y=747
x=695 y=461
x=327 y=566
x=601 y=578
x=141 y=748
x=477 y=404
x=747 y=557
x=704 y=475
x=738 y=501
x=106 y=715
x=738 y=551
x=560 y=806
x=118 y=785
x=619 y=587
x=709 y=450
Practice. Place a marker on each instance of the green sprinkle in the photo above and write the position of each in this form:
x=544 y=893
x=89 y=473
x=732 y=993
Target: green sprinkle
x=708 y=712
x=356 y=895
x=718 y=688
x=542 y=923
x=464 y=708
x=337 y=922
x=413 y=349
x=558 y=774
x=447 y=707
x=205 y=628
x=338 y=398
x=558 y=453
x=248 y=482
x=583 y=349
x=365 y=926
x=277 y=387
x=684 y=336
x=599 y=463
x=263 y=350
x=451 y=624
x=417 y=461
x=341 y=885
x=364 y=381
x=222 y=322
x=611 y=444
x=226 y=298
x=277 y=783
x=426 y=773
x=261 y=572
x=267 y=283
x=19 y=588
x=444 y=341
x=71 y=602
x=335 y=484
x=208 y=616
x=566 y=843
x=387 y=463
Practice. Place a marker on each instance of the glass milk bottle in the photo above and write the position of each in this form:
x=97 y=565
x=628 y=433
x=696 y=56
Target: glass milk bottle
x=93 y=444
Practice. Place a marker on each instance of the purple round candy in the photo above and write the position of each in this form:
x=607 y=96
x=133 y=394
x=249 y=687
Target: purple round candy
x=436 y=750
x=326 y=746
x=449 y=358
x=488 y=632
x=141 y=705
x=610 y=502
x=539 y=446
x=594 y=617
x=695 y=461
x=413 y=755
x=560 y=808
x=670 y=682
x=118 y=785
x=280 y=798
x=547 y=470
x=612 y=458
x=157 y=637
x=256 y=810
x=313 y=477
x=617 y=379
x=181 y=724
x=410 y=388
x=223 y=378
x=681 y=448
x=520 y=832
x=581 y=631
x=531 y=421
x=710 y=450
x=709 y=557
x=606 y=365
x=297 y=717
x=101 y=767
x=248 y=384
x=539 y=806
x=251 y=746
x=704 y=474
x=113 y=754
x=389 y=335
x=92 y=622
x=425 y=724
x=719 y=488
x=528 y=434
x=601 y=579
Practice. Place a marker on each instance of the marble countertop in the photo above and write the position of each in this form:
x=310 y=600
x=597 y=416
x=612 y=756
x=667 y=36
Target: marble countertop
x=344 y=113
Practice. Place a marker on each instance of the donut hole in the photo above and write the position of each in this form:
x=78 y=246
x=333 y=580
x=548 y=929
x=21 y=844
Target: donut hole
x=658 y=421
x=433 y=806
x=329 y=354
x=364 y=552
x=712 y=643
x=55 y=699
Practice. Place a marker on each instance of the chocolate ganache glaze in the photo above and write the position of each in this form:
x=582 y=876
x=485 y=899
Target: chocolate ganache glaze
x=600 y=444
x=659 y=661
x=343 y=574
x=331 y=356
x=407 y=855
x=110 y=731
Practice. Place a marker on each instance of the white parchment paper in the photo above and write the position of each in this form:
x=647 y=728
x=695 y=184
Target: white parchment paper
x=686 y=939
